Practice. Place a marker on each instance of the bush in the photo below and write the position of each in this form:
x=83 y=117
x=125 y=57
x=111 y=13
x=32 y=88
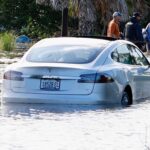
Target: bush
x=7 y=41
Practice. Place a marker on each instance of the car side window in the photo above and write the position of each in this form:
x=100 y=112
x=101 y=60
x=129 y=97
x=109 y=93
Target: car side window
x=115 y=56
x=124 y=55
x=138 y=56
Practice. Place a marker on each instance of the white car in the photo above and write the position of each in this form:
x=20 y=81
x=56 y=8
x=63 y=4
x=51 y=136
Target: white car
x=78 y=71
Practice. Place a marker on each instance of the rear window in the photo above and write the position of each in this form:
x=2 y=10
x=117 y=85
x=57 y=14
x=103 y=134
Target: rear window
x=64 y=54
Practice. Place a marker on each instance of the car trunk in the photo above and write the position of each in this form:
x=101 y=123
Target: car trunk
x=54 y=80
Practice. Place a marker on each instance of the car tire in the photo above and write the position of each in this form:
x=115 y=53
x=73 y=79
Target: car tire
x=125 y=101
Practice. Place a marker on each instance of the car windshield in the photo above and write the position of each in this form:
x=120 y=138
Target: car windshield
x=64 y=54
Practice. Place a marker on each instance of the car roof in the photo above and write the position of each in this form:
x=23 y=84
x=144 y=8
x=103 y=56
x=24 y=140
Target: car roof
x=71 y=41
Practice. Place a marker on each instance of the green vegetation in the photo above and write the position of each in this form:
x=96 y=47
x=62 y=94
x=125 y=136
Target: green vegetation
x=40 y=21
x=130 y=6
x=7 y=41
x=26 y=17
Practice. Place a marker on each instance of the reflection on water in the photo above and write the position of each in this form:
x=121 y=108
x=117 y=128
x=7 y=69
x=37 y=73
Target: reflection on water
x=39 y=110
x=75 y=127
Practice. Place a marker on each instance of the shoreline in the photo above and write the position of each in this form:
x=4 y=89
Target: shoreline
x=8 y=57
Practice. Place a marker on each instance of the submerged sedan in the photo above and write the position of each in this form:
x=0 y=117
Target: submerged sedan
x=78 y=71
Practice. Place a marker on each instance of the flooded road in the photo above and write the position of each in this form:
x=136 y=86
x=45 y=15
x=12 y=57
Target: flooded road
x=2 y=67
x=74 y=127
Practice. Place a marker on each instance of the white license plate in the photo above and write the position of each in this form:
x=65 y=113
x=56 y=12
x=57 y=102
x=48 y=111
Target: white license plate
x=50 y=85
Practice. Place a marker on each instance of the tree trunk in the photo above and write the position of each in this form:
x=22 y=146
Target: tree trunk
x=87 y=17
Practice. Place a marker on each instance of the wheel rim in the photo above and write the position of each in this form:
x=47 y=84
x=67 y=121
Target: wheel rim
x=125 y=100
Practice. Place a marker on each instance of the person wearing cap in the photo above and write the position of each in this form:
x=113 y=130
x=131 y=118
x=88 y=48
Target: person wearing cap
x=133 y=30
x=113 y=26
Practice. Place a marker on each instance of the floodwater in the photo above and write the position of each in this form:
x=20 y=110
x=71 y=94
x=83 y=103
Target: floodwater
x=74 y=127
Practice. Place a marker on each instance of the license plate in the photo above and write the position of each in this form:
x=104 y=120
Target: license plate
x=50 y=85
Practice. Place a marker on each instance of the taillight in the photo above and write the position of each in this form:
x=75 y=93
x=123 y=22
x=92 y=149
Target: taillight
x=95 y=78
x=104 y=78
x=13 y=75
x=87 y=78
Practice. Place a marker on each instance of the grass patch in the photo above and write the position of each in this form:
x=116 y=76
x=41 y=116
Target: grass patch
x=7 y=41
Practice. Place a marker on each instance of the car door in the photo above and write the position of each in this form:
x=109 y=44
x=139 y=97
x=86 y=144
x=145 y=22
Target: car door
x=142 y=72
x=125 y=57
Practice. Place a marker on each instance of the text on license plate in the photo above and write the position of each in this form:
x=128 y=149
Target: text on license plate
x=49 y=84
